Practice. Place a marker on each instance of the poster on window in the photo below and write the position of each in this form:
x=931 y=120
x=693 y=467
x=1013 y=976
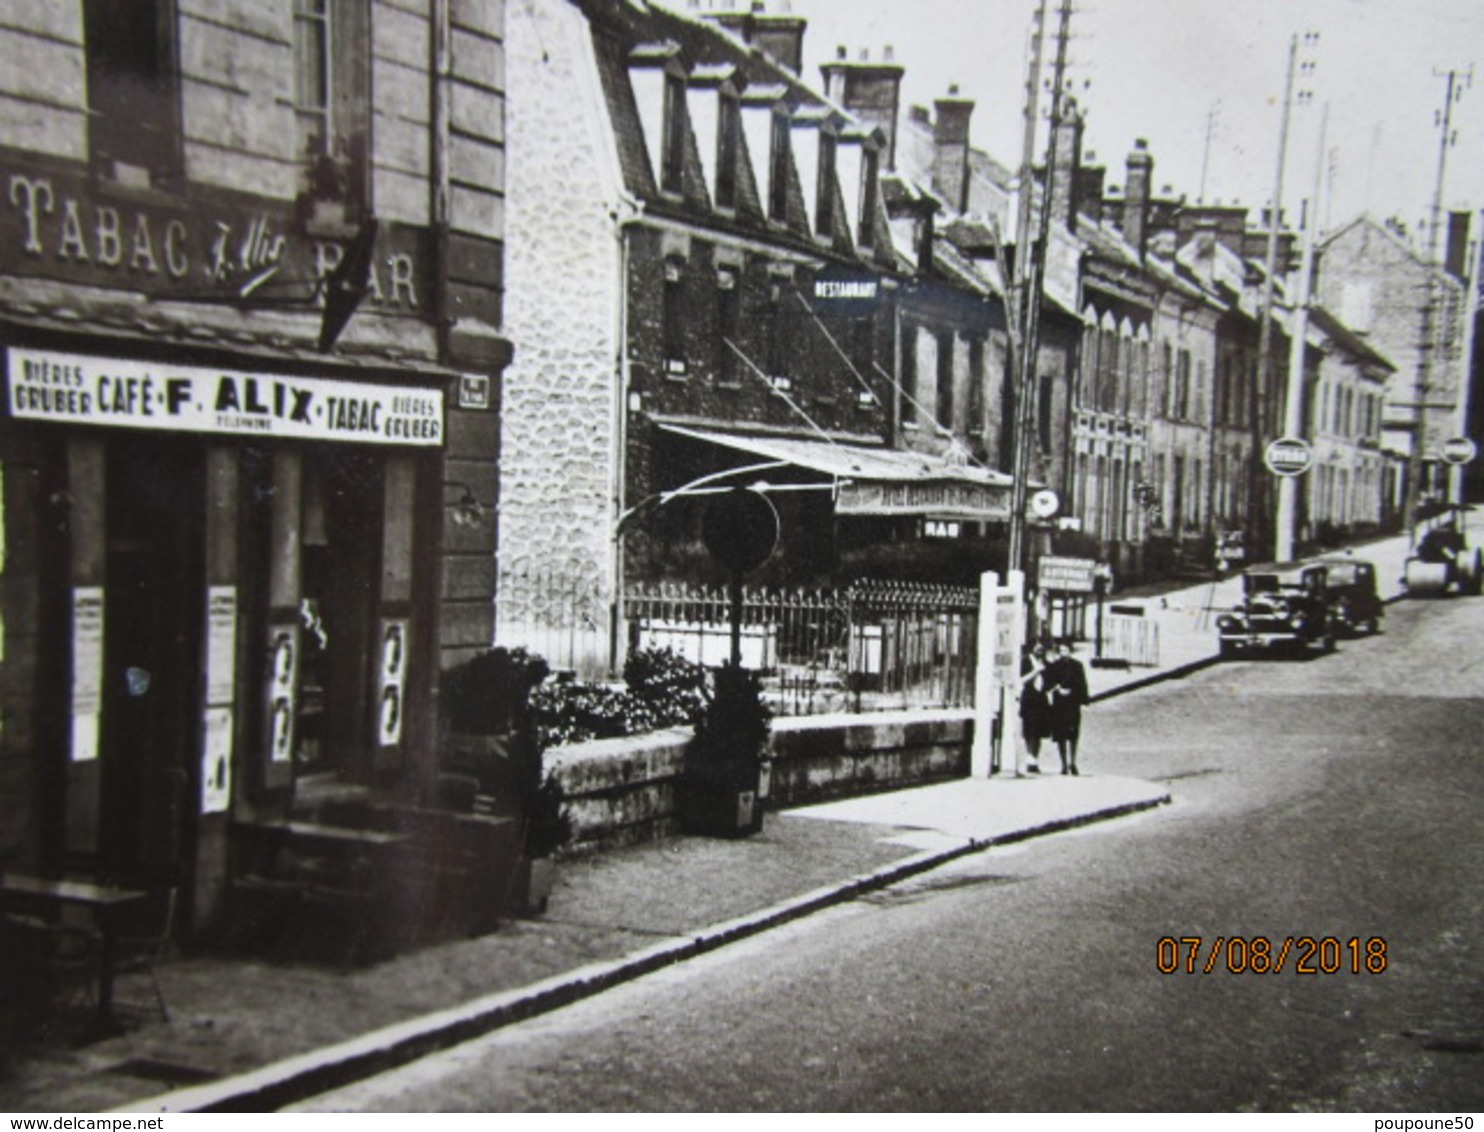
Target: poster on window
x=283 y=690
x=216 y=761
x=392 y=680
x=87 y=670
x=221 y=644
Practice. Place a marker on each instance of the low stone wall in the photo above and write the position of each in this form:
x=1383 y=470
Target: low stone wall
x=622 y=791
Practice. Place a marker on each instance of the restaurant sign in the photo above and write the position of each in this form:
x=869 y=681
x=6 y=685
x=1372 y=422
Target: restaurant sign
x=72 y=388
x=960 y=499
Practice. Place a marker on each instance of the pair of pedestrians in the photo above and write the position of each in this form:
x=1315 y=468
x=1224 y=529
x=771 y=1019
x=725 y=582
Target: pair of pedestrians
x=1052 y=694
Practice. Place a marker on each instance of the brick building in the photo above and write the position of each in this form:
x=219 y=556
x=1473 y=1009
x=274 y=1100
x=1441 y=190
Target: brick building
x=250 y=308
x=719 y=269
x=1412 y=312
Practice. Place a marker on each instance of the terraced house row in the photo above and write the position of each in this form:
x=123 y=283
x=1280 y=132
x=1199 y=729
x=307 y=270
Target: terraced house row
x=343 y=338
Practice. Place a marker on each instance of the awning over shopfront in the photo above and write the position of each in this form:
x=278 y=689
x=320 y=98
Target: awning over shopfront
x=880 y=481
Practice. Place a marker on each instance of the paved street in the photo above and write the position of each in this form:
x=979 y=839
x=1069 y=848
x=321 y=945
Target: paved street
x=1334 y=798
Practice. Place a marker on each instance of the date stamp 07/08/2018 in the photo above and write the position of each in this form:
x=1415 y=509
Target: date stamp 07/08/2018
x=1261 y=955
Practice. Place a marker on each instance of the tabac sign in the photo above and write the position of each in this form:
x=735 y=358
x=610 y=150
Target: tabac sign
x=47 y=386
x=57 y=223
x=954 y=499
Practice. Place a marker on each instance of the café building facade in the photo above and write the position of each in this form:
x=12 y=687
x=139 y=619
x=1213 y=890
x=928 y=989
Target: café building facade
x=249 y=416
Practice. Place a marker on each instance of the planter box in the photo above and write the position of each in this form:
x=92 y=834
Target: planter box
x=721 y=802
x=531 y=883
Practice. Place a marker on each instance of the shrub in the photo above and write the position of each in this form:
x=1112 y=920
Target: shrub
x=548 y=821
x=671 y=687
x=663 y=690
x=734 y=730
x=488 y=693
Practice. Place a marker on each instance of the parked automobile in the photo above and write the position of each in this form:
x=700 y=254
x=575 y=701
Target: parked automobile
x=1284 y=609
x=1354 y=601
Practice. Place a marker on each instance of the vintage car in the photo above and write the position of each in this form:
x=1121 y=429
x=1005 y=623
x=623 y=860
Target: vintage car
x=1284 y=609
x=1353 y=599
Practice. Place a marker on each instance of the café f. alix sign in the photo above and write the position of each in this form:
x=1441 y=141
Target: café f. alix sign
x=46 y=385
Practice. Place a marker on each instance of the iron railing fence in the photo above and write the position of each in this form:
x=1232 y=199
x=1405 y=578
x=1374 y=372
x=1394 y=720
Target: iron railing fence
x=873 y=646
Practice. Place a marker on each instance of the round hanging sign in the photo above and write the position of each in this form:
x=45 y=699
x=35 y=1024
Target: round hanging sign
x=740 y=529
x=1288 y=456
x=1459 y=450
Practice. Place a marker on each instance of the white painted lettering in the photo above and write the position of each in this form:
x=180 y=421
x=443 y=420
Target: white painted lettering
x=38 y=200
x=72 y=246
x=143 y=255
x=109 y=237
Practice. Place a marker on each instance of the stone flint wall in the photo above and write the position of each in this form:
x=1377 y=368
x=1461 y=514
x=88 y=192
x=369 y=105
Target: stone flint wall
x=622 y=791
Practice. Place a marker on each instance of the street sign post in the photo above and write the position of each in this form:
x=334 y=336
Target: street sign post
x=997 y=671
x=1459 y=450
x=1288 y=456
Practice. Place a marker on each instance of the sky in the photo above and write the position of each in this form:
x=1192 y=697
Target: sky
x=1164 y=69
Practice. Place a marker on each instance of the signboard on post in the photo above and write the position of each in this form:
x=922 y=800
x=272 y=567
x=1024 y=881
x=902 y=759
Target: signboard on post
x=1288 y=456
x=1459 y=450
x=1066 y=575
x=997 y=671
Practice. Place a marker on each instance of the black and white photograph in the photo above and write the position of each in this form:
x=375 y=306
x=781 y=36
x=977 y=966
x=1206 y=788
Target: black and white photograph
x=742 y=556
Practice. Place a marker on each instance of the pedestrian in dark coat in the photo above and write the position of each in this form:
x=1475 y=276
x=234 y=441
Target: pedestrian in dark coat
x=1035 y=712
x=1066 y=692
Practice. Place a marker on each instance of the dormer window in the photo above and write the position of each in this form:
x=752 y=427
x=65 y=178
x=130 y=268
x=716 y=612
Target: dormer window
x=780 y=158
x=331 y=103
x=133 y=90
x=672 y=152
x=728 y=149
x=824 y=212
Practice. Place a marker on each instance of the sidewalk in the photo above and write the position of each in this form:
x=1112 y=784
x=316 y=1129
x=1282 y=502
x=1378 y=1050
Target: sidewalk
x=250 y=1036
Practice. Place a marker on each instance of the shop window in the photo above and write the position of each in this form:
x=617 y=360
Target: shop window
x=907 y=388
x=945 y=380
x=976 y=386
x=1043 y=415
x=674 y=318
x=1181 y=408
x=332 y=101
x=672 y=146
x=778 y=339
x=133 y=90
x=728 y=147
x=728 y=319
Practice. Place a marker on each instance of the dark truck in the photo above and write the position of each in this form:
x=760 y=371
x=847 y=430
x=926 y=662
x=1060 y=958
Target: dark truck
x=1284 y=609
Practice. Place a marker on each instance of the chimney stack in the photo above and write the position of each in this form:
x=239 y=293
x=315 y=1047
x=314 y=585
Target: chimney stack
x=870 y=91
x=779 y=37
x=951 y=148
x=1067 y=157
x=1139 y=171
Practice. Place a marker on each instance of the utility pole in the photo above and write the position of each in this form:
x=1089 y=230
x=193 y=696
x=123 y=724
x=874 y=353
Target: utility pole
x=1031 y=259
x=1212 y=117
x=1265 y=309
x=1429 y=340
x=1293 y=402
x=1021 y=291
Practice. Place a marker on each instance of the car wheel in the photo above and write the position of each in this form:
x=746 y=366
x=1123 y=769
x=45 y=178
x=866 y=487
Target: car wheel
x=1228 y=650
